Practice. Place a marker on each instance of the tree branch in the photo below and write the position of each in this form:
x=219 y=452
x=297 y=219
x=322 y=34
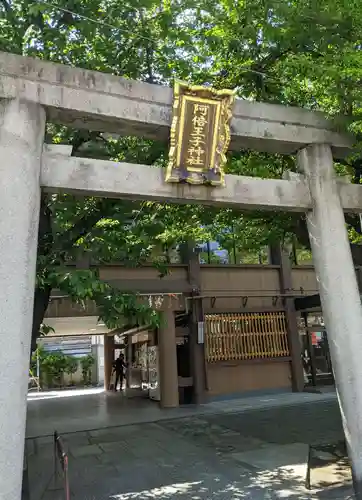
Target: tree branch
x=7 y=7
x=45 y=244
x=81 y=137
x=41 y=302
x=45 y=233
x=148 y=52
x=271 y=58
x=83 y=226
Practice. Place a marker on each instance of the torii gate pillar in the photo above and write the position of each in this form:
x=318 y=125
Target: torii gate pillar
x=22 y=127
x=339 y=293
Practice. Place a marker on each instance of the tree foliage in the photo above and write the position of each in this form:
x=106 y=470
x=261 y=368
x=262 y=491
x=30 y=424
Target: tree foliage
x=294 y=52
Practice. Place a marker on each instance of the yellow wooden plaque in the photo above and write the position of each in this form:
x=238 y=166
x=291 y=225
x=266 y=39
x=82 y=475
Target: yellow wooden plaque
x=200 y=134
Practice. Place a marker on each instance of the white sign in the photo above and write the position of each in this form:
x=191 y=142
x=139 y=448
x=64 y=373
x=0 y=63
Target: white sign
x=200 y=332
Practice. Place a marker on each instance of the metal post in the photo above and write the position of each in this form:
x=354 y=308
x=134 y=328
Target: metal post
x=55 y=458
x=66 y=478
x=38 y=368
x=25 y=492
x=22 y=127
x=61 y=455
x=339 y=294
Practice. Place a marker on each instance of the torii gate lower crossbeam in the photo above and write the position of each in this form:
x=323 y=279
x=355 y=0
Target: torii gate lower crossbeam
x=22 y=126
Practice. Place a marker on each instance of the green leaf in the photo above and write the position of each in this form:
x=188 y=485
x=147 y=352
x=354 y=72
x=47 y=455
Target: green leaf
x=297 y=53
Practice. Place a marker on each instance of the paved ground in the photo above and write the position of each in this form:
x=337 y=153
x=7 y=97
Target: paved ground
x=254 y=452
x=79 y=410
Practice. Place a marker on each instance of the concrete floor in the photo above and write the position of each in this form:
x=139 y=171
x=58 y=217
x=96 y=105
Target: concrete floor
x=253 y=448
x=89 y=409
x=79 y=410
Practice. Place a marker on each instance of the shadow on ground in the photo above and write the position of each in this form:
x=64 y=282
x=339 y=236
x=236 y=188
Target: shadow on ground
x=163 y=461
x=258 y=453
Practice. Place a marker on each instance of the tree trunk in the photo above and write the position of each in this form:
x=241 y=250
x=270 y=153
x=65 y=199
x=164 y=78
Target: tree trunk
x=41 y=301
x=45 y=247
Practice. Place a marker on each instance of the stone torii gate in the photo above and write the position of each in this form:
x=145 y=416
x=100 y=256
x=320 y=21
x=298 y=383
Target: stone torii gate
x=33 y=92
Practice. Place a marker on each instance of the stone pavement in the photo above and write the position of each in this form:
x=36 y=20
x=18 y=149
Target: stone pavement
x=79 y=410
x=252 y=454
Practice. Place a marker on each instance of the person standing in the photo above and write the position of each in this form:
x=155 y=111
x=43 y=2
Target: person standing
x=119 y=367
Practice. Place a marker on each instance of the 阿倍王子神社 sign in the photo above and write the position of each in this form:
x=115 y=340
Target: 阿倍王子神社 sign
x=200 y=134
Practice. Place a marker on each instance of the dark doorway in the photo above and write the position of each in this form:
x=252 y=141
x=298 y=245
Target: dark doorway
x=316 y=357
x=184 y=370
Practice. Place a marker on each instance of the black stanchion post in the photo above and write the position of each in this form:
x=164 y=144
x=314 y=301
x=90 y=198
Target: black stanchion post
x=25 y=492
x=66 y=478
x=59 y=454
x=55 y=458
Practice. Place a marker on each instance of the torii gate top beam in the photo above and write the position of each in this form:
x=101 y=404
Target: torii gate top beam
x=98 y=101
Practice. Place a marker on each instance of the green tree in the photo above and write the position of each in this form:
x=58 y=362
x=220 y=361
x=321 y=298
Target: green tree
x=53 y=365
x=289 y=52
x=87 y=363
x=71 y=367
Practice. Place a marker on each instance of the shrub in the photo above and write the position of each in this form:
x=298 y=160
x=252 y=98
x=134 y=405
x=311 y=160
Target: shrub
x=71 y=367
x=53 y=364
x=87 y=362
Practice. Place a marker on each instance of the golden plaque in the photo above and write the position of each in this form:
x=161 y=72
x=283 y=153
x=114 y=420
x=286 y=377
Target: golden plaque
x=200 y=134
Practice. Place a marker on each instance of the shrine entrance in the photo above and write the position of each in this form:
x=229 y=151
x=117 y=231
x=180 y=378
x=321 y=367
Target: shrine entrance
x=33 y=92
x=316 y=356
x=141 y=348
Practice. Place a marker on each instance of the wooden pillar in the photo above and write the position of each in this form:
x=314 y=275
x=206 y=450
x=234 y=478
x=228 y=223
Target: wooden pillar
x=168 y=360
x=129 y=362
x=281 y=258
x=83 y=260
x=197 y=351
x=108 y=360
